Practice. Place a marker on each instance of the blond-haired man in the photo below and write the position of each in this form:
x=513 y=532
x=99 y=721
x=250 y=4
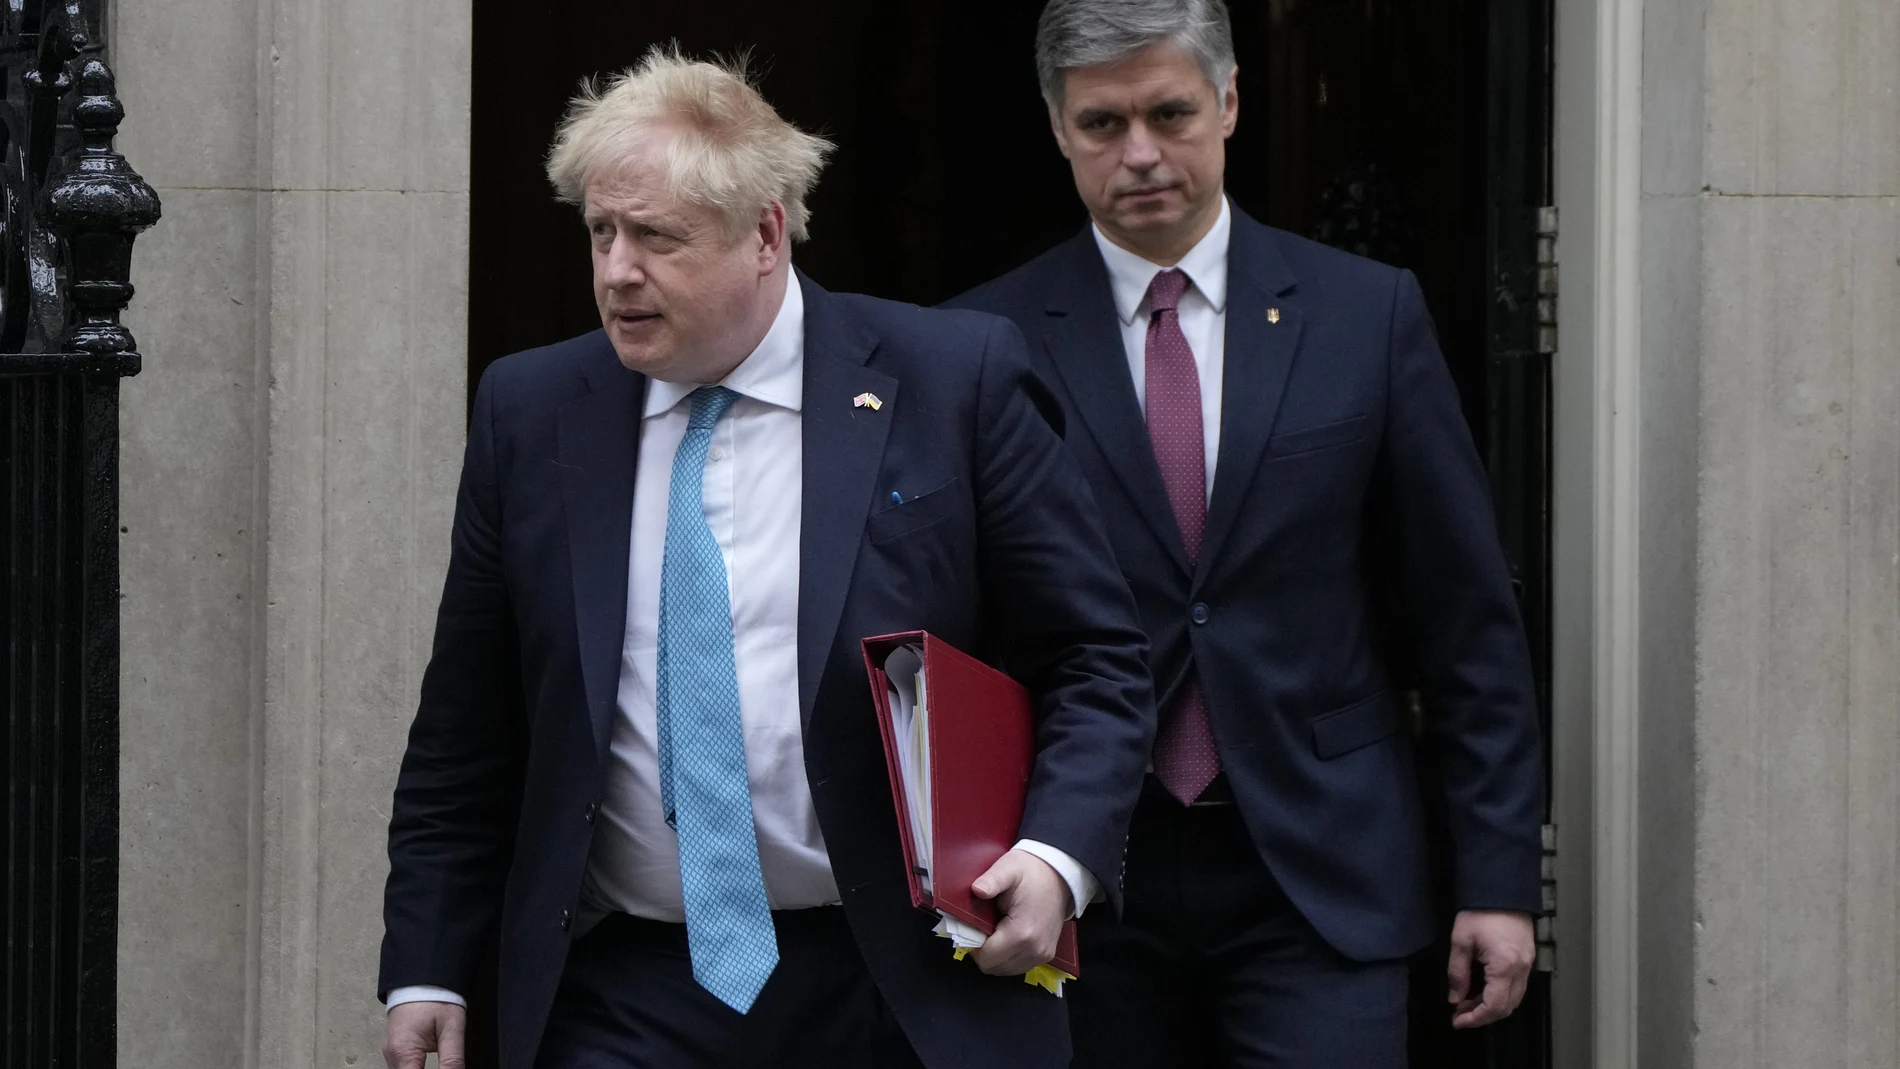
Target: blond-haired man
x=644 y=760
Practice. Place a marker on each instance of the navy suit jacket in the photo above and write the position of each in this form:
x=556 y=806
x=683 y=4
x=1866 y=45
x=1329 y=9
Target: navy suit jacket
x=996 y=549
x=1346 y=474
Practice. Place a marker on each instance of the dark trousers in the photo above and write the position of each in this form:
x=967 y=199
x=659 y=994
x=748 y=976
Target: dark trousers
x=1211 y=965
x=628 y=1000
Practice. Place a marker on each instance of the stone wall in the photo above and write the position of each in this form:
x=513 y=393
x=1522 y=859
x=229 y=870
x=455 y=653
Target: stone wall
x=1772 y=357
x=289 y=463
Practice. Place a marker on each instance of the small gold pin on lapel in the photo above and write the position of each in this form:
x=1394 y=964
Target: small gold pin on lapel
x=867 y=400
x=1273 y=315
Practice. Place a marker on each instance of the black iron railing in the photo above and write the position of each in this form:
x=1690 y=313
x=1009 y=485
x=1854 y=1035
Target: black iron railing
x=69 y=210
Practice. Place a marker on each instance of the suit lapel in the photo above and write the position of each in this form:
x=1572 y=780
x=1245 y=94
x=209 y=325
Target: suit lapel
x=1264 y=319
x=843 y=452
x=597 y=437
x=1085 y=343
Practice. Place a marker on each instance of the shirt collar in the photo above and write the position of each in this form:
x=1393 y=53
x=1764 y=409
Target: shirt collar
x=774 y=373
x=1205 y=264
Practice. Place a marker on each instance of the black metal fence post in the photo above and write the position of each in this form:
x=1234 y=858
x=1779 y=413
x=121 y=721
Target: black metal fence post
x=70 y=208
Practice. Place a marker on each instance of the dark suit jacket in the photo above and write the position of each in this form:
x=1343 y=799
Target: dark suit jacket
x=1346 y=472
x=996 y=549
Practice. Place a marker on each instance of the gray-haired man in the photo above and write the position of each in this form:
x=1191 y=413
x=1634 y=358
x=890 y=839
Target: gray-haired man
x=1242 y=402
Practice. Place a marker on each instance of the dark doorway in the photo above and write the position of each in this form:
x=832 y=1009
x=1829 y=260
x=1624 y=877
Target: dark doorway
x=1412 y=131
x=1362 y=124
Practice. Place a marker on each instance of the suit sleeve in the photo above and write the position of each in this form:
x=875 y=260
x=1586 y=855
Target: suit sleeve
x=1061 y=613
x=1462 y=622
x=457 y=795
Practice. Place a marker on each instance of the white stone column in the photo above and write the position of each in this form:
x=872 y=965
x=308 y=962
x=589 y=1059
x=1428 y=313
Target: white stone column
x=290 y=457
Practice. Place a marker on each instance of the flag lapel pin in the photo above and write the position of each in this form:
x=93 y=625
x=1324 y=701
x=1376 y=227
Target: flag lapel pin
x=867 y=400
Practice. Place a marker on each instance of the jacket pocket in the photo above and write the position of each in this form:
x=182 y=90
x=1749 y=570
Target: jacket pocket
x=917 y=513
x=1312 y=439
x=1355 y=726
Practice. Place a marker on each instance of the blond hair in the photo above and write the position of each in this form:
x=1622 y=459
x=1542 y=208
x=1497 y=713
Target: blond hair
x=732 y=152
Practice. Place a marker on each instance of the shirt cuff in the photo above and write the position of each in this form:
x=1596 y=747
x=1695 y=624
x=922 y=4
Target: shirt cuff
x=1081 y=881
x=400 y=995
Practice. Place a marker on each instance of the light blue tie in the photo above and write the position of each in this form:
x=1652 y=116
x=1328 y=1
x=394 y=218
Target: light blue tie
x=703 y=785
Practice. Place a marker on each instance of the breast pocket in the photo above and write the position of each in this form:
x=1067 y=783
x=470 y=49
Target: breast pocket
x=914 y=515
x=1355 y=726
x=1314 y=439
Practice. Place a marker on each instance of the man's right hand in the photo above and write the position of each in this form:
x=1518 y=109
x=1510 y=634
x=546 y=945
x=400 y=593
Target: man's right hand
x=416 y=1028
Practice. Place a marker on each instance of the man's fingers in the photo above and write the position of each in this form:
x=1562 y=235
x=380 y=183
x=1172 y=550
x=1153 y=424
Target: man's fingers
x=404 y=1046
x=1489 y=1007
x=1506 y=978
x=450 y=1044
x=416 y=1028
x=402 y=1057
x=1514 y=979
x=1477 y=1017
x=1031 y=896
x=1501 y=995
x=1000 y=878
x=998 y=957
x=1458 y=971
x=1012 y=950
x=1507 y=971
x=1504 y=943
x=998 y=951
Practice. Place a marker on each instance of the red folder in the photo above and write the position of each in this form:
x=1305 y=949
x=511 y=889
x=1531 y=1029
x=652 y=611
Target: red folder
x=982 y=740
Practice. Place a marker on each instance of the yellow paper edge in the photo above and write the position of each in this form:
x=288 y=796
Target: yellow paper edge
x=1047 y=977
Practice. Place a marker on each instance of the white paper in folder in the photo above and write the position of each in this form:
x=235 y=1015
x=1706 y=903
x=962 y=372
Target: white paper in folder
x=910 y=722
x=904 y=668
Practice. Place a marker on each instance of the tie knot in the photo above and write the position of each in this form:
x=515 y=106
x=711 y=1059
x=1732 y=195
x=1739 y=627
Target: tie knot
x=1164 y=293
x=709 y=403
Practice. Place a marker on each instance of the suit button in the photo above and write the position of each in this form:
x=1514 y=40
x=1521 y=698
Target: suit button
x=592 y=808
x=567 y=920
x=1199 y=613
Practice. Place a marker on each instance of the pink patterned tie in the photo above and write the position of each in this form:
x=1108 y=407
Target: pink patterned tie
x=1185 y=758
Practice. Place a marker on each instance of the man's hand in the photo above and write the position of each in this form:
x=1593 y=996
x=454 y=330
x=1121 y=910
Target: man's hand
x=1503 y=945
x=416 y=1028
x=1034 y=901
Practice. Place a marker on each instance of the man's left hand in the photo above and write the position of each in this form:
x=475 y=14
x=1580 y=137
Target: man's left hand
x=1034 y=901
x=1498 y=946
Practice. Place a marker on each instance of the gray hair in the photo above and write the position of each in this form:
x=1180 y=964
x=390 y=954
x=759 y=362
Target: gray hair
x=1086 y=33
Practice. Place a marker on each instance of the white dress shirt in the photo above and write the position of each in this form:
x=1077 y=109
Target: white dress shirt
x=1202 y=315
x=752 y=491
x=753 y=497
